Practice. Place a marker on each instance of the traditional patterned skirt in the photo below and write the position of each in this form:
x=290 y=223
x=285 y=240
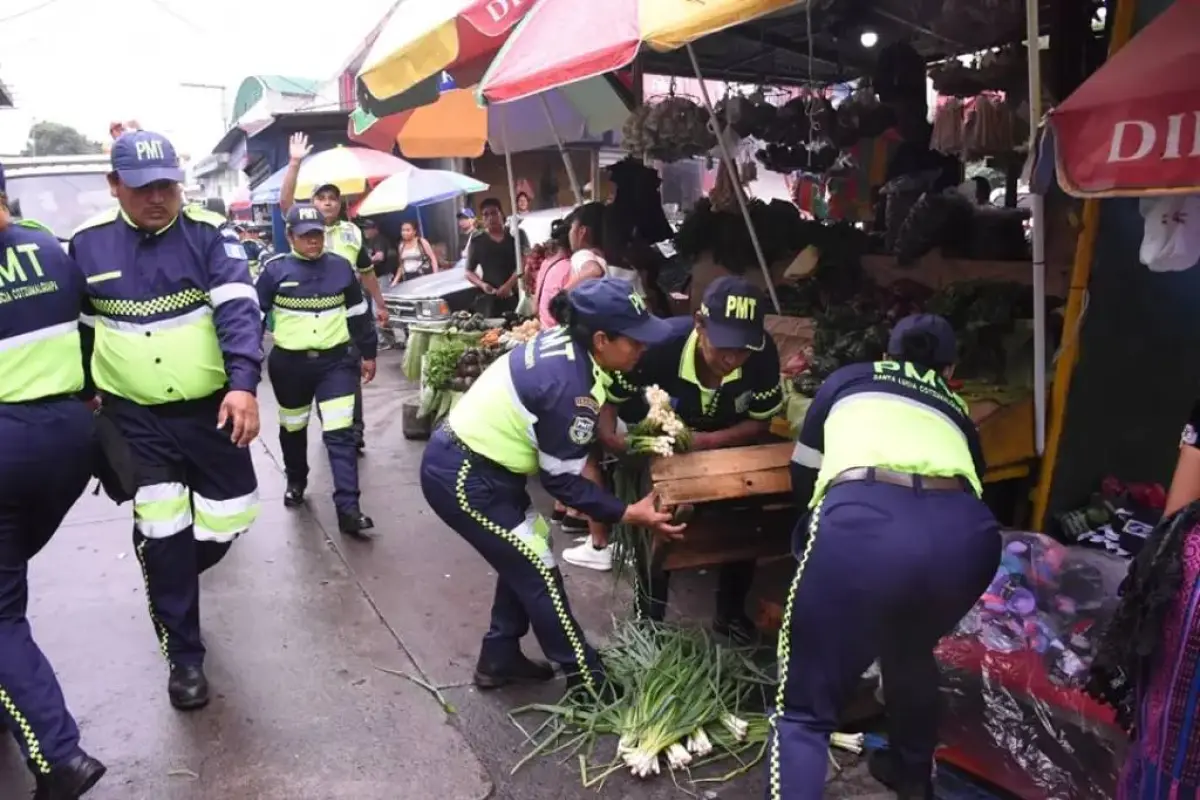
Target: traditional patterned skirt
x=1164 y=760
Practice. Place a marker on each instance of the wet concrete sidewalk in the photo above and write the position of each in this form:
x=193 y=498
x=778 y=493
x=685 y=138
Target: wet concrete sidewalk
x=306 y=633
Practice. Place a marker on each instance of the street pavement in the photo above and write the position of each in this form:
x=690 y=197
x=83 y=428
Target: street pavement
x=322 y=652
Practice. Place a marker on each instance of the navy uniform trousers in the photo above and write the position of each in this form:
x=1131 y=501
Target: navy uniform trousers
x=45 y=463
x=884 y=572
x=196 y=493
x=329 y=377
x=489 y=506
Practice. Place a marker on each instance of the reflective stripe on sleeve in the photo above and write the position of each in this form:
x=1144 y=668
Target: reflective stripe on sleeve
x=559 y=466
x=807 y=456
x=219 y=295
x=357 y=309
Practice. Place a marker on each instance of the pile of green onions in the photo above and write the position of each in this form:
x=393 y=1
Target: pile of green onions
x=662 y=432
x=680 y=698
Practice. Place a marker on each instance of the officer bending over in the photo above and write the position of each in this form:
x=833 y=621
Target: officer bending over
x=177 y=360
x=534 y=411
x=721 y=370
x=319 y=311
x=45 y=462
x=896 y=549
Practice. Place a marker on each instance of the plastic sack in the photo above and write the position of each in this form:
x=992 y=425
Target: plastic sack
x=1012 y=674
x=1171 y=242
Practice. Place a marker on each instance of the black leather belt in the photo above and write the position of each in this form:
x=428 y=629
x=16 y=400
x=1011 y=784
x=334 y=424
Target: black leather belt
x=340 y=349
x=468 y=452
x=905 y=479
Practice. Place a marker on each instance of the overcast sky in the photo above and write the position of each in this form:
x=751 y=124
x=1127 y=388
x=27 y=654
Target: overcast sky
x=84 y=63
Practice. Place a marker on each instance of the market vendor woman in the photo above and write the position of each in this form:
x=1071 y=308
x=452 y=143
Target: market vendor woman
x=534 y=411
x=721 y=370
x=896 y=549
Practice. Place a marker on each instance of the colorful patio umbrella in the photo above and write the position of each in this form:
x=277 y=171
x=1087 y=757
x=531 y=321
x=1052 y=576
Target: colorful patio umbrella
x=459 y=36
x=603 y=36
x=417 y=187
x=351 y=169
x=457 y=127
x=1133 y=128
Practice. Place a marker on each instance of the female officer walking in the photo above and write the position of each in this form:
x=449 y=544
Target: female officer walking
x=318 y=310
x=534 y=411
x=897 y=548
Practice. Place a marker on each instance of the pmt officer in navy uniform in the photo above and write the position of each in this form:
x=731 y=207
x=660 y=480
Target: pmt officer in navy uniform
x=341 y=237
x=177 y=357
x=319 y=311
x=46 y=441
x=534 y=411
x=896 y=549
x=721 y=370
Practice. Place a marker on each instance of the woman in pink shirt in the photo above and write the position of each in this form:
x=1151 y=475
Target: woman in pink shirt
x=555 y=270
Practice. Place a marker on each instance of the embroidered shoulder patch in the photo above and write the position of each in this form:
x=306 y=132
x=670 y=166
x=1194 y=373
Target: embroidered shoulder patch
x=582 y=430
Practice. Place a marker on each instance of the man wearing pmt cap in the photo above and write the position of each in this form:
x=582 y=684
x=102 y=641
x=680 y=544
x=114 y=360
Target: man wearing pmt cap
x=896 y=548
x=721 y=370
x=176 y=356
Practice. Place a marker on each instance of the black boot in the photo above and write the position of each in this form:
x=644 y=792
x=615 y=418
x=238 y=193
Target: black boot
x=70 y=779
x=518 y=670
x=355 y=523
x=294 y=496
x=187 y=687
x=886 y=768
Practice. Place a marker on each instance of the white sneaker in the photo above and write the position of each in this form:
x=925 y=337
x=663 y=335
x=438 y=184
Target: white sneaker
x=589 y=557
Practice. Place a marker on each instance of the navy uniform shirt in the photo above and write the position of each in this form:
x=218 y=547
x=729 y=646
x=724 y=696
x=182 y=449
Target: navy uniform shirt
x=317 y=304
x=752 y=391
x=41 y=299
x=889 y=414
x=175 y=311
x=534 y=411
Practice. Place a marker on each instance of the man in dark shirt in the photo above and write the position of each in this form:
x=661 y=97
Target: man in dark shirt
x=381 y=251
x=494 y=254
x=721 y=370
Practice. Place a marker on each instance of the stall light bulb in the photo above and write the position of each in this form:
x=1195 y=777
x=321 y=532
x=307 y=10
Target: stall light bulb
x=869 y=38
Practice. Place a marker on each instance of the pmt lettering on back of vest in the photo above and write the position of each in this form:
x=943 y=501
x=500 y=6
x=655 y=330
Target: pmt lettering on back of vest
x=638 y=303
x=21 y=273
x=740 y=307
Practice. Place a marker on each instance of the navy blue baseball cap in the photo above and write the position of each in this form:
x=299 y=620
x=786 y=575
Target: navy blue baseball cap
x=735 y=313
x=303 y=218
x=613 y=305
x=142 y=157
x=945 y=349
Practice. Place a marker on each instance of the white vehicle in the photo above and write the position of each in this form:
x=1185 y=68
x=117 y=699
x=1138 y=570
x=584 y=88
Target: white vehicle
x=61 y=192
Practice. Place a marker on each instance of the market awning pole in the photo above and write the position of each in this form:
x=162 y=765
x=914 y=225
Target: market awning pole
x=514 y=222
x=1033 y=35
x=736 y=177
x=562 y=151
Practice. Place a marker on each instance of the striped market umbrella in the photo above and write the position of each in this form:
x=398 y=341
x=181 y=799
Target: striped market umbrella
x=563 y=41
x=352 y=169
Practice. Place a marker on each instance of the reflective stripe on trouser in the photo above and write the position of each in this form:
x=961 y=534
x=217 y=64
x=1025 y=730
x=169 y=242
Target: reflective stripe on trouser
x=490 y=508
x=871 y=583
x=44 y=468
x=329 y=380
x=196 y=493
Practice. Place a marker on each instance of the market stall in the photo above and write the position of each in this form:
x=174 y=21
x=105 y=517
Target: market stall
x=445 y=358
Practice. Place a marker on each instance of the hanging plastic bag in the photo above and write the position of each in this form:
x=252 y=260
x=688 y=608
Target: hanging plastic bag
x=1172 y=236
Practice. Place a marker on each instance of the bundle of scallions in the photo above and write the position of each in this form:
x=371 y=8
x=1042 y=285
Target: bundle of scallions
x=676 y=695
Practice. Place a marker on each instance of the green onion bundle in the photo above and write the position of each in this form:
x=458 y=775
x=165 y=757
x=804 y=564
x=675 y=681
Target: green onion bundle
x=662 y=432
x=682 y=698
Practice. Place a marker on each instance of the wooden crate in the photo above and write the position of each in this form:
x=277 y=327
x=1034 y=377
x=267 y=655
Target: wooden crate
x=727 y=474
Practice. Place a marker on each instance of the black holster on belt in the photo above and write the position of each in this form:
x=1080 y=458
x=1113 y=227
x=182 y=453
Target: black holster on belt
x=112 y=463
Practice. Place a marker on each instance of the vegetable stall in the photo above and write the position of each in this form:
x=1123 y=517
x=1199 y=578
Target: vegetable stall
x=445 y=358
